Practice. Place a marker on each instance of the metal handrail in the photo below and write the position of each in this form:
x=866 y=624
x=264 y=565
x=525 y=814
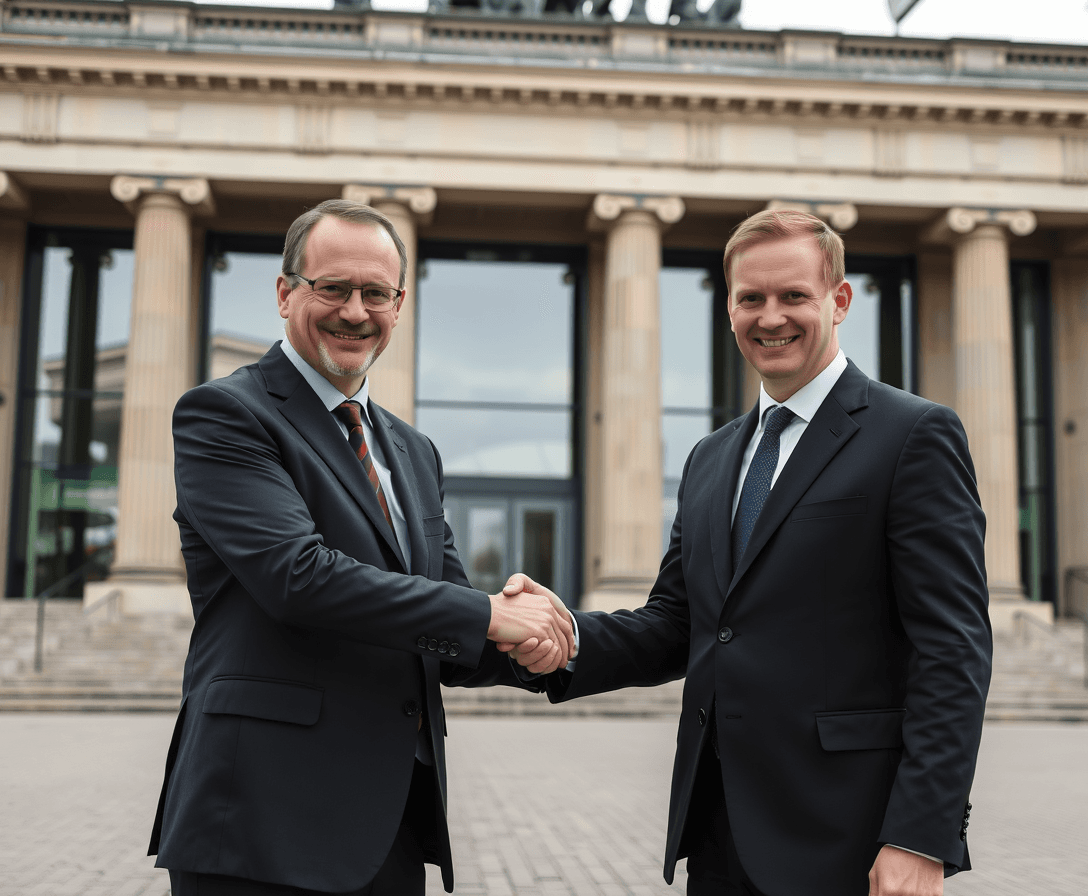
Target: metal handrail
x=76 y=574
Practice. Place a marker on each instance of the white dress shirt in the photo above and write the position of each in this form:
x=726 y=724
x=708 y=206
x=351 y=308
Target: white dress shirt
x=804 y=403
x=332 y=398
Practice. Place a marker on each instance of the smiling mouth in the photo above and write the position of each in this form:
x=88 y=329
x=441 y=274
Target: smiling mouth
x=776 y=343
x=349 y=337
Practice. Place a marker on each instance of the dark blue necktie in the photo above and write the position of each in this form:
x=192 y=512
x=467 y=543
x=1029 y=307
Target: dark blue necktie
x=757 y=484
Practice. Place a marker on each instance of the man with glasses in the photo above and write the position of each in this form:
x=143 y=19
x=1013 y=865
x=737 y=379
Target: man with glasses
x=329 y=599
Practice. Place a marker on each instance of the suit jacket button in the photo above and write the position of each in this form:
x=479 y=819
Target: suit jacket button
x=725 y=635
x=455 y=649
x=412 y=708
x=432 y=644
x=422 y=642
x=701 y=716
x=443 y=646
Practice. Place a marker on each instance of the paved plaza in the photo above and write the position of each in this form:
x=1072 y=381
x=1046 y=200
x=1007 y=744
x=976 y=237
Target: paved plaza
x=539 y=806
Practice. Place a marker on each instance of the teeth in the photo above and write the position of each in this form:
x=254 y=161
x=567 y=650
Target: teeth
x=775 y=343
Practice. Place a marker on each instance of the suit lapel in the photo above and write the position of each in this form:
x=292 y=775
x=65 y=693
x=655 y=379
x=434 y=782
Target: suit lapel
x=404 y=481
x=723 y=491
x=305 y=412
x=831 y=427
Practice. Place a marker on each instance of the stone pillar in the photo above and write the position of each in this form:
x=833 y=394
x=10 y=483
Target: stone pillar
x=630 y=500
x=1069 y=291
x=594 y=458
x=986 y=385
x=12 y=252
x=393 y=379
x=937 y=360
x=147 y=567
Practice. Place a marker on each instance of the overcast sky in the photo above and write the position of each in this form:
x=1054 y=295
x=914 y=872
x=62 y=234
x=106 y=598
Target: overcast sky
x=1054 y=21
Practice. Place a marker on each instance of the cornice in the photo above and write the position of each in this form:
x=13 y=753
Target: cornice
x=167 y=79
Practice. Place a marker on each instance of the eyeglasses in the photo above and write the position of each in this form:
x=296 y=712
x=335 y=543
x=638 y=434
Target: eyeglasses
x=337 y=292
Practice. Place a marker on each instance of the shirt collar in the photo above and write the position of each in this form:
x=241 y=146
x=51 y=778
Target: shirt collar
x=806 y=400
x=330 y=396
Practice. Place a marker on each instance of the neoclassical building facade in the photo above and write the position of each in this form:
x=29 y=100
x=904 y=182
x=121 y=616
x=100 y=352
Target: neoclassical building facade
x=565 y=187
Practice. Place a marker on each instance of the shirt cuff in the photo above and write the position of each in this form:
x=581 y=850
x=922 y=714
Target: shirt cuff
x=915 y=852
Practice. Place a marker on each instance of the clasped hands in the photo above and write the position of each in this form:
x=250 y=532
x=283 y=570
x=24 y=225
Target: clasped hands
x=532 y=625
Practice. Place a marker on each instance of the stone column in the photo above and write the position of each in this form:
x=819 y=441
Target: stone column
x=594 y=458
x=12 y=252
x=1069 y=291
x=937 y=360
x=147 y=567
x=986 y=385
x=630 y=448
x=393 y=379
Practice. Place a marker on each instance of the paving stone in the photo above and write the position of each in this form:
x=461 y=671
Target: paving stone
x=538 y=806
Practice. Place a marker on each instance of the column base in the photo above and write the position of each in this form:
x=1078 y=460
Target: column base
x=138 y=598
x=621 y=595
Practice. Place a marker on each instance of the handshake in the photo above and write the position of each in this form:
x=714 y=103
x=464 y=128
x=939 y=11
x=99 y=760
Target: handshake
x=532 y=625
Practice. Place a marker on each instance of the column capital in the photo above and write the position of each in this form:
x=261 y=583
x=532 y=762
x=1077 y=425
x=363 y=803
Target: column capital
x=12 y=196
x=958 y=222
x=609 y=207
x=194 y=192
x=421 y=201
x=840 y=215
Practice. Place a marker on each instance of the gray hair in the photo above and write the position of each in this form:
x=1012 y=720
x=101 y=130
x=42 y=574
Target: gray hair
x=294 y=247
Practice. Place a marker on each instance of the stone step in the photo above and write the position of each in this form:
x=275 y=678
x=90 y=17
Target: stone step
x=134 y=664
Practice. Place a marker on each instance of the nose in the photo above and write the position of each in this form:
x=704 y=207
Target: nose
x=771 y=316
x=354 y=309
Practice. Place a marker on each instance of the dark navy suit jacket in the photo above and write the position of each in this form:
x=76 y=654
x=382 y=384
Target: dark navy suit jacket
x=846 y=654
x=314 y=648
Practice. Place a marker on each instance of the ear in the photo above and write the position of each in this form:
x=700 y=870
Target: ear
x=395 y=313
x=729 y=307
x=283 y=290
x=843 y=296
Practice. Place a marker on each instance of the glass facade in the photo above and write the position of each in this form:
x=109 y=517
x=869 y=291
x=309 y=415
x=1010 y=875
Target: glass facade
x=496 y=375
x=241 y=318
x=78 y=298
x=1031 y=335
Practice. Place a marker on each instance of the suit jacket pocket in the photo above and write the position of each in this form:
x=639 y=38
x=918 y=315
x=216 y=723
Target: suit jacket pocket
x=836 y=507
x=434 y=525
x=865 y=729
x=263 y=698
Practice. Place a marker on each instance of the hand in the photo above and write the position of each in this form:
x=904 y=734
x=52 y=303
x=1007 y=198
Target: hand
x=897 y=872
x=527 y=623
x=531 y=653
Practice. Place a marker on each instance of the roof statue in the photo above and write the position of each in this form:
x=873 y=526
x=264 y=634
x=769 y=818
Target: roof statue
x=720 y=12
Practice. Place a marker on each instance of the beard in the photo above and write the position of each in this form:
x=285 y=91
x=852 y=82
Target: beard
x=335 y=369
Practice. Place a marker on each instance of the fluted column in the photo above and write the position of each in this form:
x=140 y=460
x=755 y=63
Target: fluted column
x=147 y=566
x=986 y=380
x=393 y=378
x=12 y=250
x=630 y=446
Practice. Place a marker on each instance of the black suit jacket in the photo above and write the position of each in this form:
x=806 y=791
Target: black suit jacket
x=314 y=647
x=846 y=654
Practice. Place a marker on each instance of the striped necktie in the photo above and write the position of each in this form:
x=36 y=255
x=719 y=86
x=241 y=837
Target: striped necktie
x=348 y=414
x=757 y=484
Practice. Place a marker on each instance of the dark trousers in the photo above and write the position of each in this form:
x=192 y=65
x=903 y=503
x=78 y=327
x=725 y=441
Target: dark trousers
x=714 y=868
x=402 y=873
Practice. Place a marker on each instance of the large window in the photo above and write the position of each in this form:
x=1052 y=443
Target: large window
x=879 y=333
x=701 y=372
x=495 y=391
x=241 y=318
x=78 y=299
x=1031 y=335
